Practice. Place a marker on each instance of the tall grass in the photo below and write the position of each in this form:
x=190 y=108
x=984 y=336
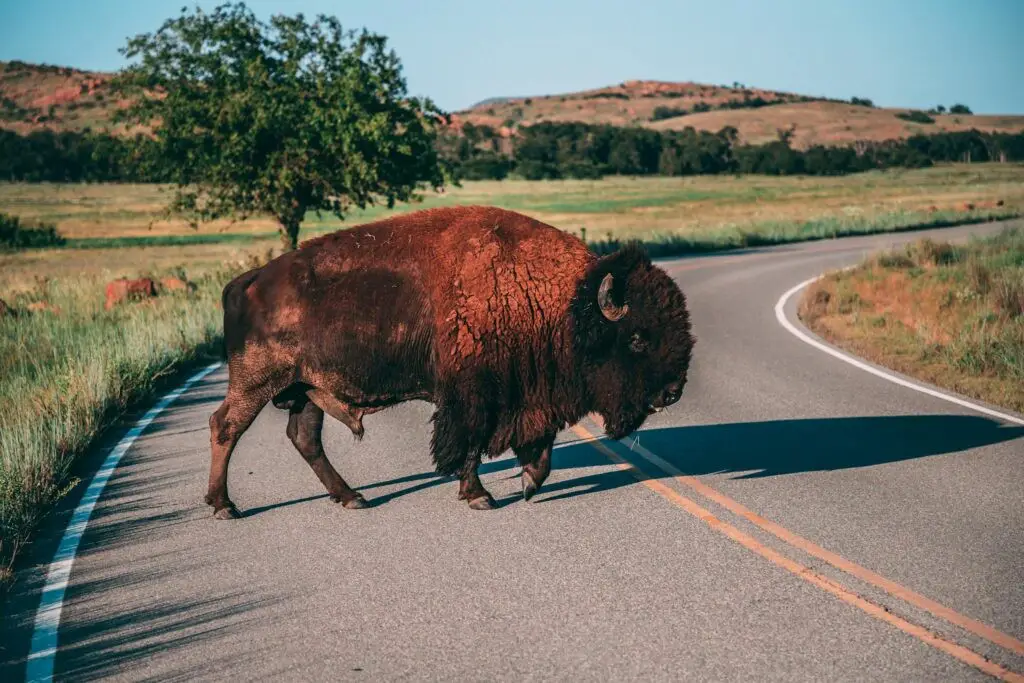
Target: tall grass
x=950 y=314
x=68 y=370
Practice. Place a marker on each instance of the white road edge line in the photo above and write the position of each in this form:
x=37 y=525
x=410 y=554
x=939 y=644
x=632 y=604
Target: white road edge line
x=43 y=650
x=780 y=315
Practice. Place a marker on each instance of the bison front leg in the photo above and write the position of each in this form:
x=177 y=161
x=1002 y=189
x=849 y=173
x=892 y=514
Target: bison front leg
x=536 y=461
x=470 y=487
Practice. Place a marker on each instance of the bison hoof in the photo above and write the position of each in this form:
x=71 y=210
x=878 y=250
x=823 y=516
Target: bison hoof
x=482 y=503
x=530 y=487
x=357 y=503
x=230 y=512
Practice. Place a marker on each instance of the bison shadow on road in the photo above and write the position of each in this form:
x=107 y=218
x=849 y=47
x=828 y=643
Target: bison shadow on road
x=764 y=449
x=747 y=450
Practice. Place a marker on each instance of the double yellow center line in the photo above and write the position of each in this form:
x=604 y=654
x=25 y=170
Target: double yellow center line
x=806 y=573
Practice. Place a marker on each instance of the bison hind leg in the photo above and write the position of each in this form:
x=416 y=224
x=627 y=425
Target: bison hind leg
x=305 y=426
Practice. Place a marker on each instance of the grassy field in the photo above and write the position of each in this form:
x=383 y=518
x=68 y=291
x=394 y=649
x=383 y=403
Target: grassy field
x=68 y=372
x=673 y=215
x=950 y=315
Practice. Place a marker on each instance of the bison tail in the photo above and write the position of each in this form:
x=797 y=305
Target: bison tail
x=232 y=300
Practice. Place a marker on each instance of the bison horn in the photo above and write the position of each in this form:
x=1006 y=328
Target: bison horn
x=604 y=300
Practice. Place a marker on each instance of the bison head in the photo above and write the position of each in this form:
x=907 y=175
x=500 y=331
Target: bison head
x=633 y=339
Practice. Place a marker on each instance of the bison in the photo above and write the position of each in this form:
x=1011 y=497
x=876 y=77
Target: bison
x=123 y=289
x=512 y=328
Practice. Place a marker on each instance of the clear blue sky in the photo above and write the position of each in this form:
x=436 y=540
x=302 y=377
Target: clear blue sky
x=915 y=53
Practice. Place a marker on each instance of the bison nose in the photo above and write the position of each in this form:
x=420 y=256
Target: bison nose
x=672 y=393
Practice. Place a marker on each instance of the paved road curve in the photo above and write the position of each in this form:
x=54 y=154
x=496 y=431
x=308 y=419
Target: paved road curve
x=834 y=526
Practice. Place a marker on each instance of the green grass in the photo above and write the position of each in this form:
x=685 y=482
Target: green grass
x=950 y=314
x=66 y=376
x=131 y=241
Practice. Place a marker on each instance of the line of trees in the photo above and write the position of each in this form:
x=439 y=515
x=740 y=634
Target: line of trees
x=72 y=157
x=542 y=151
x=577 y=150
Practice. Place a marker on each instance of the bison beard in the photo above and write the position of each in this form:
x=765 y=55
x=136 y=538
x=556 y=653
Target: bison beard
x=512 y=328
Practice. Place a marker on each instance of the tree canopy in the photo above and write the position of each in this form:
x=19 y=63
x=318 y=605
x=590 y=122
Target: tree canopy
x=278 y=118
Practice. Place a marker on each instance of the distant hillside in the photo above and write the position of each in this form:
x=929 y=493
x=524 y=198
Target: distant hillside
x=757 y=114
x=35 y=97
x=834 y=123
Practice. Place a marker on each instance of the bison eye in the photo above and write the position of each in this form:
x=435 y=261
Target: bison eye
x=637 y=344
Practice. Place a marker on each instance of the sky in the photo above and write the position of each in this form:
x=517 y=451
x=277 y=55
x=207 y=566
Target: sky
x=906 y=53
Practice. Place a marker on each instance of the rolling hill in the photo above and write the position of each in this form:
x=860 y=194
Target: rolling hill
x=35 y=97
x=39 y=96
x=757 y=114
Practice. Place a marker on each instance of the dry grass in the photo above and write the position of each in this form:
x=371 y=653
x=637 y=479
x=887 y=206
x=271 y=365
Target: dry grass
x=950 y=315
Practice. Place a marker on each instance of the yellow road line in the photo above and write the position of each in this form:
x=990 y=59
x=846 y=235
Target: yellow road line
x=806 y=573
x=896 y=590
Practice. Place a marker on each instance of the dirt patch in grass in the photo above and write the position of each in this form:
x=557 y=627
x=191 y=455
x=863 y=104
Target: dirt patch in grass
x=952 y=315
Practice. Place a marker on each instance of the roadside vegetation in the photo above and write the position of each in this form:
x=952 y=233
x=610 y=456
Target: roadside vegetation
x=69 y=368
x=952 y=315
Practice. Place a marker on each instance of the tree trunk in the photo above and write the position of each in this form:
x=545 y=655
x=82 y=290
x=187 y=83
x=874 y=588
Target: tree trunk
x=289 y=234
x=289 y=219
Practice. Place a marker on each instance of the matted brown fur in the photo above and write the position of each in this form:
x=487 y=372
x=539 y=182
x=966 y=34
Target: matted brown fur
x=489 y=314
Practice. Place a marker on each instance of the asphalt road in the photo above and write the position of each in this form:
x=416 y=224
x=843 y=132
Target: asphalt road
x=603 y=576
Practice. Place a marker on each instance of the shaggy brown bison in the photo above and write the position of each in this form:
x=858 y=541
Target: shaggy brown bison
x=123 y=289
x=512 y=328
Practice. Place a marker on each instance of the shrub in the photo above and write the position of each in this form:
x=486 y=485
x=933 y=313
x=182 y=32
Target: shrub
x=661 y=113
x=15 y=234
x=538 y=170
x=485 y=166
x=929 y=252
x=1008 y=291
x=960 y=109
x=894 y=260
x=980 y=276
x=915 y=116
x=862 y=102
x=607 y=96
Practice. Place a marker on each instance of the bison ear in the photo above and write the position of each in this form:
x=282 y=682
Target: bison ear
x=609 y=280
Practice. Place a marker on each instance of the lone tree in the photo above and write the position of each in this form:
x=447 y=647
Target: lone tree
x=279 y=118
